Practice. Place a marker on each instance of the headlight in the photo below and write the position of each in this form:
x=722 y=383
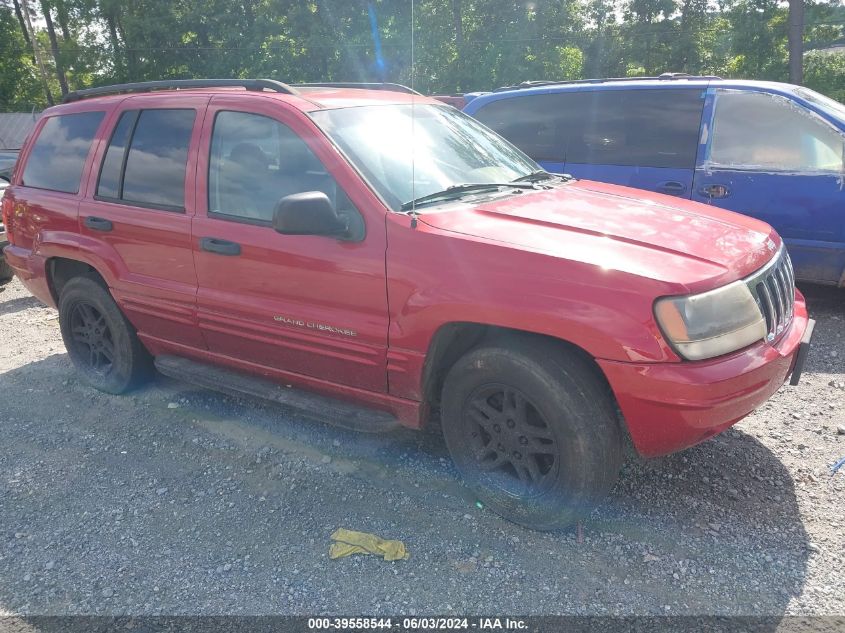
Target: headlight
x=711 y=323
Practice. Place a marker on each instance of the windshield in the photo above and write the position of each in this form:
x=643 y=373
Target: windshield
x=407 y=152
x=825 y=103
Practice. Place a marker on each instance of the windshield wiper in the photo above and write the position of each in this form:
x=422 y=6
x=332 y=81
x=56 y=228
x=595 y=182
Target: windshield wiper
x=537 y=176
x=456 y=191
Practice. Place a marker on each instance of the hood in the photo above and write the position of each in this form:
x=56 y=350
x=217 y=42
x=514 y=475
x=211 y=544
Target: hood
x=618 y=228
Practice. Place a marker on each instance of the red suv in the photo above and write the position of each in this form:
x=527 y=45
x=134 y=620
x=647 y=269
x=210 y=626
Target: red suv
x=382 y=258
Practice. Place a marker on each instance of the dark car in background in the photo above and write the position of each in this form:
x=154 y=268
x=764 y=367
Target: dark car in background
x=8 y=158
x=770 y=150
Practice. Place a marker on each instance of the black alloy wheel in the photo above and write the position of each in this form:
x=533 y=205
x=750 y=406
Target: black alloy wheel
x=100 y=341
x=511 y=440
x=532 y=428
x=92 y=338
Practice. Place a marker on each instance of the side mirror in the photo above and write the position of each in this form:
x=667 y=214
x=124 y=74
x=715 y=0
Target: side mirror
x=308 y=213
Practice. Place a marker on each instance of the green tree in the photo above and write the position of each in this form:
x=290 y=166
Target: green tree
x=20 y=88
x=825 y=73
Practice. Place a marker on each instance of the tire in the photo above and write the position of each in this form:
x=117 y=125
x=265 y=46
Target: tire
x=100 y=341
x=558 y=442
x=6 y=272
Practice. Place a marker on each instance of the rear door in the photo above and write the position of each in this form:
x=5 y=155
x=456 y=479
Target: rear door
x=774 y=159
x=137 y=215
x=309 y=306
x=640 y=138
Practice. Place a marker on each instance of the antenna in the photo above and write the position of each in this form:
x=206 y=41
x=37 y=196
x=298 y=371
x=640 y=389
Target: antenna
x=413 y=212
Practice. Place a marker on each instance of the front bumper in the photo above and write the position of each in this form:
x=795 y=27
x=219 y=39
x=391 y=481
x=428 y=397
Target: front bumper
x=671 y=406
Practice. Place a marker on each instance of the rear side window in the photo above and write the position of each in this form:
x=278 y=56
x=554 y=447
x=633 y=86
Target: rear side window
x=533 y=123
x=146 y=159
x=646 y=128
x=59 y=153
x=110 y=173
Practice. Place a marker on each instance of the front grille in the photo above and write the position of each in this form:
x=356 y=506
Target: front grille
x=773 y=287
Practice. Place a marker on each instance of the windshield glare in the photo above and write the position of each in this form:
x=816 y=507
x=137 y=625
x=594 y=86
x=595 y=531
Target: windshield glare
x=407 y=152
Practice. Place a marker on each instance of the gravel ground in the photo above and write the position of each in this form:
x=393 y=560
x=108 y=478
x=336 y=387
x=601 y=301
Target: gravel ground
x=175 y=500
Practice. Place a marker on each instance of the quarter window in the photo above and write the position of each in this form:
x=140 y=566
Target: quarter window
x=255 y=162
x=59 y=153
x=146 y=159
x=756 y=130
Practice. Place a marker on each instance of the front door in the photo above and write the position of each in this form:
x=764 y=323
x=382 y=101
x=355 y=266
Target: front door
x=771 y=158
x=308 y=305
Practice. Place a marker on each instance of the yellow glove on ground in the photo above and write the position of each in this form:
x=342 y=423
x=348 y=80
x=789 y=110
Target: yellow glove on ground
x=348 y=542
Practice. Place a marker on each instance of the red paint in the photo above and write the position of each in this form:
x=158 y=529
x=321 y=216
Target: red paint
x=670 y=406
x=582 y=263
x=456 y=101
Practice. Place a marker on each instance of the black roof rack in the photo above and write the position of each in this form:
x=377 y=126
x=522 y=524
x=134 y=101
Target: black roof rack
x=180 y=84
x=363 y=85
x=662 y=77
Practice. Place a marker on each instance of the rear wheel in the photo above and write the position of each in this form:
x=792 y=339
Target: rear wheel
x=533 y=431
x=100 y=341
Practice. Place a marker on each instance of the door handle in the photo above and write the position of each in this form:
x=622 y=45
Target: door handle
x=715 y=191
x=98 y=224
x=220 y=247
x=672 y=187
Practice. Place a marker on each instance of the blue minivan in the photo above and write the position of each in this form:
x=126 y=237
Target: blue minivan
x=770 y=150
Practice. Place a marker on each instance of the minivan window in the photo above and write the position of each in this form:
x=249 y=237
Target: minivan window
x=756 y=130
x=59 y=153
x=645 y=128
x=534 y=123
x=636 y=127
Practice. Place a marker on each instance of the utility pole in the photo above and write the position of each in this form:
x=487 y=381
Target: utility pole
x=796 y=41
x=36 y=51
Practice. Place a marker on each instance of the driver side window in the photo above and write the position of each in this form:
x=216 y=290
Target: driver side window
x=255 y=162
x=755 y=130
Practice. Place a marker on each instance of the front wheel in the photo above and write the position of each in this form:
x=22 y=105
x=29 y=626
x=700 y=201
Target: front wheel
x=533 y=431
x=100 y=341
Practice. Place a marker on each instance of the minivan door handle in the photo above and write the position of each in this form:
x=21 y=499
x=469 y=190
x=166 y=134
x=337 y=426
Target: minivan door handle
x=220 y=247
x=98 y=224
x=715 y=191
x=672 y=187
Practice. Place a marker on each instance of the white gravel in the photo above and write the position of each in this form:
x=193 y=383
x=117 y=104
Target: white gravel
x=216 y=505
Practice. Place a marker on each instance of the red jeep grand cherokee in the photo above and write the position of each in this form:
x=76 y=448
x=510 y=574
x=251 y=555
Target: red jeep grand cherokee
x=380 y=257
